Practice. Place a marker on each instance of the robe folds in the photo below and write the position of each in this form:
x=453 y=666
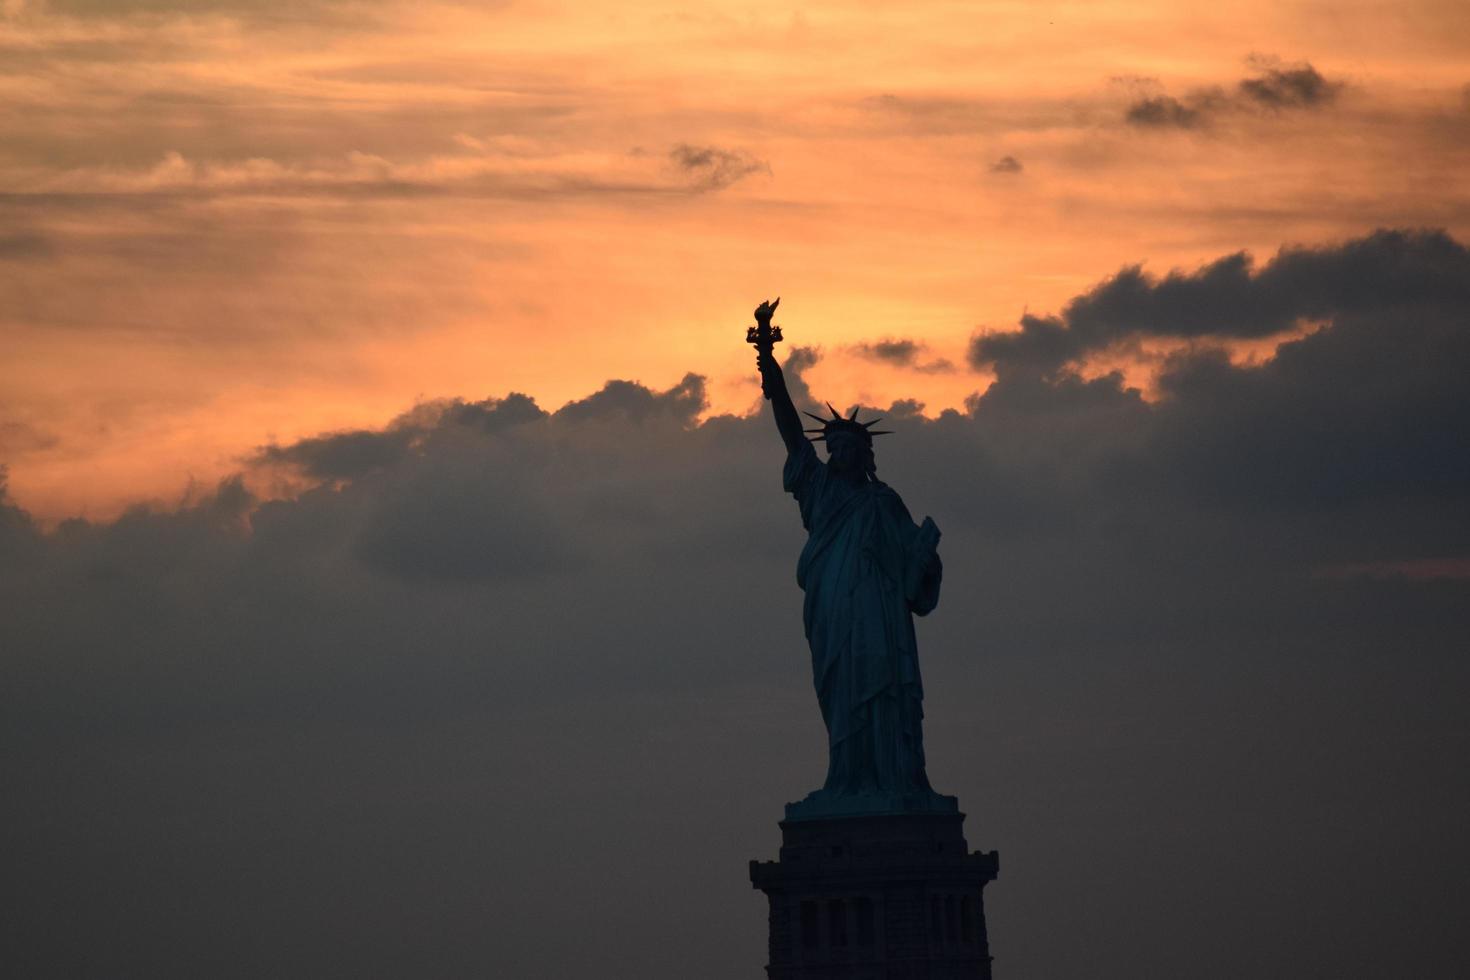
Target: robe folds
x=866 y=570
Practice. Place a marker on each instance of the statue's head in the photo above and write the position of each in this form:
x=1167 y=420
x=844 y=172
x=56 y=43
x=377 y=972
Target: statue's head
x=849 y=442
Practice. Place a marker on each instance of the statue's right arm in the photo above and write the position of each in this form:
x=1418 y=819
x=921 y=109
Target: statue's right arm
x=773 y=385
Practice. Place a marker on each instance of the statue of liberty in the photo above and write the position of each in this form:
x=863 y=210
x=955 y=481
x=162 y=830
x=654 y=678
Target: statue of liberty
x=867 y=569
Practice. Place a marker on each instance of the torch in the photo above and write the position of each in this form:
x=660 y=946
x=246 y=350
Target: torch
x=764 y=337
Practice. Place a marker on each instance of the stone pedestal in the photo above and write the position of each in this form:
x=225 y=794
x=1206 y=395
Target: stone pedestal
x=893 y=896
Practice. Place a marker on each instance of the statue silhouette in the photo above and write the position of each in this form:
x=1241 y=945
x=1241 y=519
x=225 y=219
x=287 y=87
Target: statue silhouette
x=867 y=569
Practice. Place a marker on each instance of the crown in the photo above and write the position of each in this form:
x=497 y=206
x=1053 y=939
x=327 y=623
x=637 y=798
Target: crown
x=848 y=426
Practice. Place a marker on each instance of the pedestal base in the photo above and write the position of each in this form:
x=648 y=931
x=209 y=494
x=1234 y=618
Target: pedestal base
x=880 y=897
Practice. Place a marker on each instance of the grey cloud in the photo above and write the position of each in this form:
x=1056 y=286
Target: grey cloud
x=24 y=246
x=1372 y=408
x=341 y=455
x=1290 y=88
x=620 y=400
x=494 y=414
x=433 y=521
x=1041 y=345
x=532 y=669
x=349 y=455
x=714 y=168
x=1230 y=298
x=1164 y=111
x=901 y=352
x=1006 y=165
x=19 y=535
x=17 y=438
x=798 y=362
x=392 y=184
x=336 y=13
x=1274 y=87
x=892 y=351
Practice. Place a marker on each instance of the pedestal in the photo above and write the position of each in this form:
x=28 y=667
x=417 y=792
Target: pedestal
x=878 y=897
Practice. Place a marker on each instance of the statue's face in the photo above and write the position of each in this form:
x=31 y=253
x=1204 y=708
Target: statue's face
x=850 y=454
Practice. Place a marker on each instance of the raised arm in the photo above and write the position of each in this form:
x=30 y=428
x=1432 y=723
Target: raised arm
x=773 y=386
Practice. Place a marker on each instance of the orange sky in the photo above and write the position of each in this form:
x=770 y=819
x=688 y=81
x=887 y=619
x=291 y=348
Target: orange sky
x=232 y=222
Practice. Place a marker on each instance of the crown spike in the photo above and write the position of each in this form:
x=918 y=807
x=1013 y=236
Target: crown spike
x=872 y=422
x=880 y=432
x=835 y=414
x=853 y=416
x=811 y=416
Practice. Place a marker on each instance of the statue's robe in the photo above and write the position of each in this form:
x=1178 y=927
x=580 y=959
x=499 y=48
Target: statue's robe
x=867 y=569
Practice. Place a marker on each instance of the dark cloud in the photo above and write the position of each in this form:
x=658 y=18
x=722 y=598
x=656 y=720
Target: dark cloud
x=493 y=414
x=507 y=672
x=797 y=363
x=1301 y=87
x=713 y=168
x=17 y=438
x=348 y=455
x=1230 y=298
x=341 y=455
x=1274 y=87
x=429 y=521
x=1418 y=570
x=1006 y=165
x=17 y=530
x=1040 y=346
x=24 y=246
x=1164 y=111
x=336 y=13
x=628 y=400
x=900 y=351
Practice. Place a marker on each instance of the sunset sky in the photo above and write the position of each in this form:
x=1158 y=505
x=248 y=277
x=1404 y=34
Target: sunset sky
x=395 y=575
x=232 y=223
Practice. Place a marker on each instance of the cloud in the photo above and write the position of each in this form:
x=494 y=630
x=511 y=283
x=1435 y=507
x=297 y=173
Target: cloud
x=1419 y=570
x=339 y=13
x=630 y=400
x=713 y=168
x=17 y=438
x=490 y=171
x=1039 y=347
x=1006 y=165
x=1231 y=299
x=797 y=363
x=18 y=533
x=1275 y=87
x=500 y=663
x=24 y=246
x=341 y=455
x=901 y=352
x=1164 y=111
x=1301 y=87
